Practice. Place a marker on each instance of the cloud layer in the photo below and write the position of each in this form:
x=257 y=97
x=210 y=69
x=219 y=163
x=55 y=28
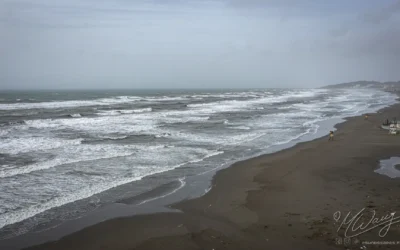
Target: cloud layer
x=196 y=44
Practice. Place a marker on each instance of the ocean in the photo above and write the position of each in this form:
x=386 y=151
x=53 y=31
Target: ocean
x=64 y=154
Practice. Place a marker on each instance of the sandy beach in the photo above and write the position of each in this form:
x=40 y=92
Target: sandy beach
x=291 y=199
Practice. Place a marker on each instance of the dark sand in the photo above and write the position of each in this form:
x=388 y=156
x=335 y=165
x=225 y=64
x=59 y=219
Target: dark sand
x=284 y=200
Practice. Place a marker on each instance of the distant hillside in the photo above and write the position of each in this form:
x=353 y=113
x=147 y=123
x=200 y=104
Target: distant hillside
x=394 y=86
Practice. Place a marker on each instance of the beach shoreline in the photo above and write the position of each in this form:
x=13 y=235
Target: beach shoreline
x=231 y=215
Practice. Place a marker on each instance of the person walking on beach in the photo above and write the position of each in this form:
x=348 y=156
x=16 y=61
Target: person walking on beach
x=330 y=136
x=366 y=117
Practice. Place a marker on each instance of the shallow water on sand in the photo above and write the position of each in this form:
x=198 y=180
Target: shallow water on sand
x=390 y=167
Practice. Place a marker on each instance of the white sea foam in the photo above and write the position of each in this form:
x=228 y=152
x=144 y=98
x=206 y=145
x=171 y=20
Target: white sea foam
x=163 y=135
x=103 y=124
x=109 y=137
x=182 y=184
x=142 y=110
x=166 y=98
x=33 y=144
x=235 y=105
x=241 y=127
x=74 y=154
x=90 y=190
x=219 y=139
x=105 y=184
x=83 y=103
x=69 y=104
x=123 y=112
x=4 y=132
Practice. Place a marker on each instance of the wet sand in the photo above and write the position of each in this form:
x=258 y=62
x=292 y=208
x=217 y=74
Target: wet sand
x=284 y=200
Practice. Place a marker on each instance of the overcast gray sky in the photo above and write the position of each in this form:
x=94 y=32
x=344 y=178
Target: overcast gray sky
x=197 y=43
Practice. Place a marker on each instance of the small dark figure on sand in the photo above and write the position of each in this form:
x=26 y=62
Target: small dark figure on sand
x=366 y=117
x=330 y=136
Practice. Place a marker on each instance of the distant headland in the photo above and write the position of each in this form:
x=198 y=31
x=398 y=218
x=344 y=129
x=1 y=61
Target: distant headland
x=389 y=86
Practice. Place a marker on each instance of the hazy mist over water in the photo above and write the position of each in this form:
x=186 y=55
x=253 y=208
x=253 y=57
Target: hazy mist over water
x=90 y=44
